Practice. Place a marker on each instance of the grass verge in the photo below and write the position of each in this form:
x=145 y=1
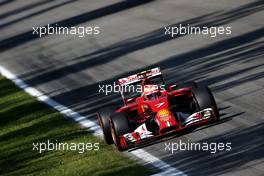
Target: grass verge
x=24 y=121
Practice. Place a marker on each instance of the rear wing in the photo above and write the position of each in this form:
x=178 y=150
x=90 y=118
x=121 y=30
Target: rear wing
x=139 y=76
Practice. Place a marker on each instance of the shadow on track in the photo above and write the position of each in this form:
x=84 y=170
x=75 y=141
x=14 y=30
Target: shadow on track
x=73 y=21
x=36 y=13
x=5 y=2
x=24 y=8
x=109 y=54
x=93 y=100
x=247 y=147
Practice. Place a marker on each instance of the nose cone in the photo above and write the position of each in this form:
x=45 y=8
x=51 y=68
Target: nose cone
x=165 y=120
x=159 y=104
x=164 y=114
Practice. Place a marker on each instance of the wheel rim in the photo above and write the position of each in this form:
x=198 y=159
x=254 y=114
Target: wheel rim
x=100 y=121
x=113 y=135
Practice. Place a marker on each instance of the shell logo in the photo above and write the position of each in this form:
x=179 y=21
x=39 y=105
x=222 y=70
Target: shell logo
x=164 y=114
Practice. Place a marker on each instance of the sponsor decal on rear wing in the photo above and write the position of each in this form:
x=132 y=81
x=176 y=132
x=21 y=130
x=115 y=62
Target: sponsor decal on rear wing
x=139 y=76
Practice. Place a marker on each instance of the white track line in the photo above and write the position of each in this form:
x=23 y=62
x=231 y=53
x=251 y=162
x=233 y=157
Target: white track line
x=165 y=168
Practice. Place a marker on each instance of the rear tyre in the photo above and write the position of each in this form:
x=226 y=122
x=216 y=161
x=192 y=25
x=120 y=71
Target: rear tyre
x=119 y=126
x=205 y=99
x=103 y=116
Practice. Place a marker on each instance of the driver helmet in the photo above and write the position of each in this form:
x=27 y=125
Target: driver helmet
x=150 y=91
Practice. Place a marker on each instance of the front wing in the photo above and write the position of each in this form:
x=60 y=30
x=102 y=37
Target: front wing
x=143 y=134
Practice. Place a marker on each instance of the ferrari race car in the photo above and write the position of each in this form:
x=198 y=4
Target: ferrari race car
x=152 y=109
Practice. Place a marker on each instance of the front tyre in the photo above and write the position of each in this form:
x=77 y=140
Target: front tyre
x=205 y=99
x=103 y=116
x=119 y=126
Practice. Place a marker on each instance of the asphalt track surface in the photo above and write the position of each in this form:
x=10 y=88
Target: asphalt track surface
x=69 y=69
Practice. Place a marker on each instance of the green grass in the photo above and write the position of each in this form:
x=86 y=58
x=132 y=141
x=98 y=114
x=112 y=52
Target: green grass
x=24 y=120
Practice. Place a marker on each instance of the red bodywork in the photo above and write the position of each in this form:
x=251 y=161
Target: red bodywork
x=160 y=108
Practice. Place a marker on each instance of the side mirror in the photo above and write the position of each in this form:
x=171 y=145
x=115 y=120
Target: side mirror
x=173 y=87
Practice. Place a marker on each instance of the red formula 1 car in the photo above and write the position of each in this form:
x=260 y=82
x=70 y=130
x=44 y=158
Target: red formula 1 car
x=153 y=109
